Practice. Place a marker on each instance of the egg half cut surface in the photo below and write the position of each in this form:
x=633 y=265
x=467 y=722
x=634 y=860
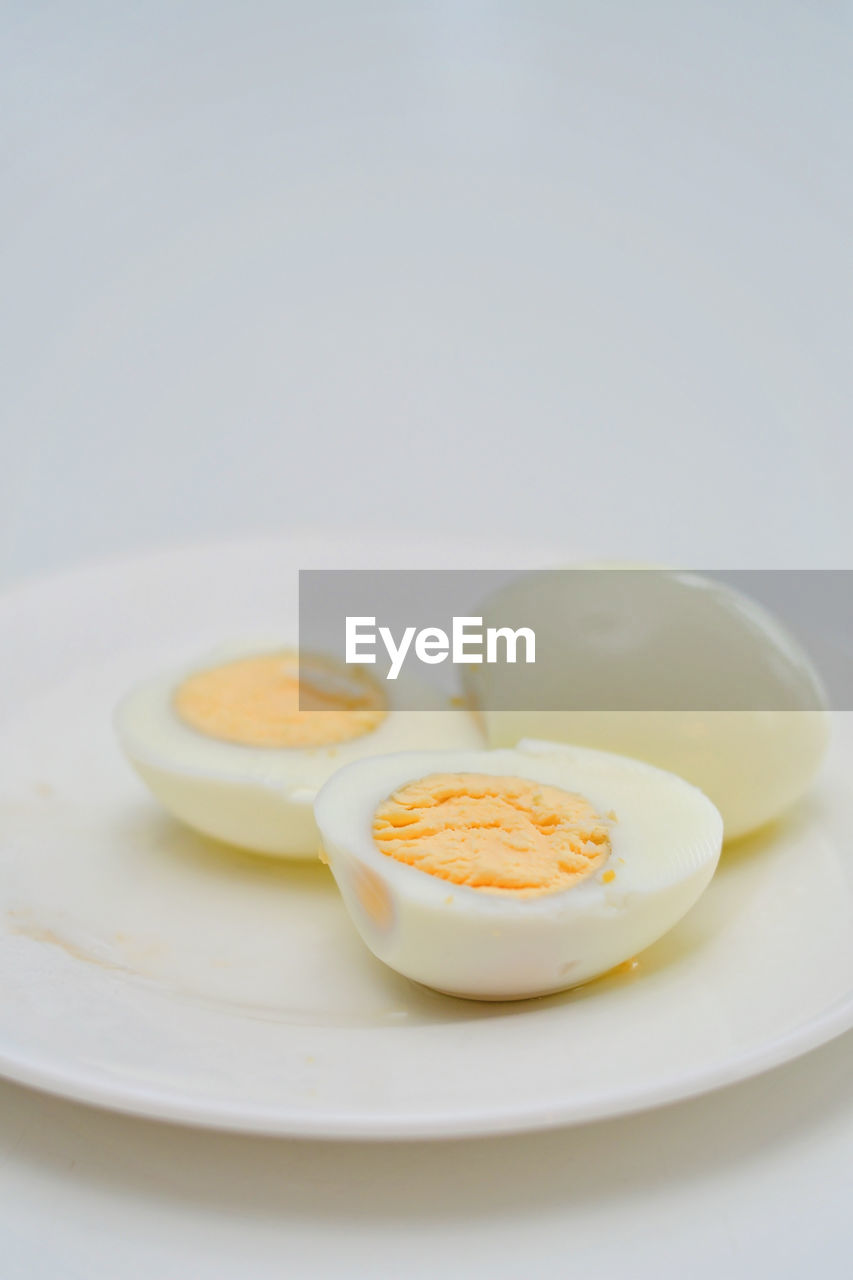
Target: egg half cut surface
x=225 y=747
x=498 y=875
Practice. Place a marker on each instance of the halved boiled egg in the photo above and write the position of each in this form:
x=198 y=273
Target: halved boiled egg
x=502 y=874
x=226 y=747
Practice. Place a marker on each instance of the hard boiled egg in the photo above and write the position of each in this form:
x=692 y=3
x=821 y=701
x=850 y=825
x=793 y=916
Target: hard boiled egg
x=225 y=747
x=498 y=875
x=674 y=668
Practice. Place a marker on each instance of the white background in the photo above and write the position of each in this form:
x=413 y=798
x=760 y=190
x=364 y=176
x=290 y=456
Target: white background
x=573 y=272
x=579 y=271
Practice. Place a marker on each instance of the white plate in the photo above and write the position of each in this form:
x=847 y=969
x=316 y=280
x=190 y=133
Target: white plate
x=147 y=969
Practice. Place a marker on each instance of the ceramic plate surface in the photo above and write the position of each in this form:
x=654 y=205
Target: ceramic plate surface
x=152 y=971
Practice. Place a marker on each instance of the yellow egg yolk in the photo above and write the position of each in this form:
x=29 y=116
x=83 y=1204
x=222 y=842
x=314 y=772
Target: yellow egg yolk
x=255 y=701
x=505 y=835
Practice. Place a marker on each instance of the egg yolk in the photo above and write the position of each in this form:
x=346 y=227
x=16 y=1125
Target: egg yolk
x=504 y=835
x=255 y=701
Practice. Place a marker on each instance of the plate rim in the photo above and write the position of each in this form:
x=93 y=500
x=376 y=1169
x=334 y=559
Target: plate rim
x=835 y=1021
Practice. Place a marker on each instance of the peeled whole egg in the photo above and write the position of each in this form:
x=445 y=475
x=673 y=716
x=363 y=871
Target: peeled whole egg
x=498 y=875
x=673 y=668
x=226 y=749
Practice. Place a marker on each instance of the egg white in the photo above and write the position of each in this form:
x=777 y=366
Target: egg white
x=261 y=798
x=664 y=849
x=678 y=642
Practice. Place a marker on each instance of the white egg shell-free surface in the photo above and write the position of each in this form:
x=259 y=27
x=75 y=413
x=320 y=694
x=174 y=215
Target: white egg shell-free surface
x=261 y=798
x=664 y=848
x=753 y=764
x=692 y=676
